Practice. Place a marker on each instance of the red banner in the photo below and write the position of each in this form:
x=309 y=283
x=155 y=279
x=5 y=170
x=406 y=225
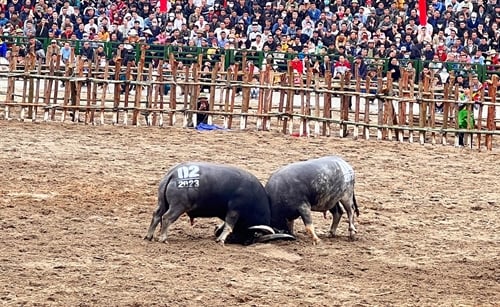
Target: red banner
x=422 y=12
x=163 y=6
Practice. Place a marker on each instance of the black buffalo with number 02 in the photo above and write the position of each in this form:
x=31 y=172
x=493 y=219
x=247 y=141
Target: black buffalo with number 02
x=202 y=189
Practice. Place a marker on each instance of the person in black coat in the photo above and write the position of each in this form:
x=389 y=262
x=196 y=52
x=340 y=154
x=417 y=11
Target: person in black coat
x=359 y=68
x=394 y=69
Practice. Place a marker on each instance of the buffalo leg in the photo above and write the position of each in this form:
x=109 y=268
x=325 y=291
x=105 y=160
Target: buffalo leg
x=348 y=204
x=337 y=214
x=171 y=216
x=230 y=222
x=290 y=226
x=305 y=214
x=157 y=214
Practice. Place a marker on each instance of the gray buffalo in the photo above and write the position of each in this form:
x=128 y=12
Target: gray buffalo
x=211 y=190
x=324 y=184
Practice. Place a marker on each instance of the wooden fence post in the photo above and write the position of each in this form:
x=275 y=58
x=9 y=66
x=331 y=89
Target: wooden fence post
x=37 y=86
x=158 y=93
x=233 y=97
x=327 y=104
x=117 y=89
x=432 y=111
x=30 y=65
x=446 y=108
x=317 y=106
x=423 y=108
x=306 y=112
x=173 y=89
x=128 y=74
x=103 y=95
x=211 y=101
x=380 y=109
x=245 y=103
x=344 y=106
x=268 y=97
x=11 y=81
x=48 y=89
x=490 y=120
x=479 y=125
x=403 y=94
x=455 y=113
x=389 y=117
x=76 y=87
x=288 y=127
x=366 y=116
x=67 y=88
x=411 y=119
x=139 y=85
x=357 y=105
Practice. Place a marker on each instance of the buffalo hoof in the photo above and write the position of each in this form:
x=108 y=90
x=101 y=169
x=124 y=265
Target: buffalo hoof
x=316 y=241
x=162 y=240
x=220 y=242
x=148 y=238
x=332 y=235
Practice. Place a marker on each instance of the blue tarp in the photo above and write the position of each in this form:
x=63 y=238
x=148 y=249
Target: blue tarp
x=207 y=127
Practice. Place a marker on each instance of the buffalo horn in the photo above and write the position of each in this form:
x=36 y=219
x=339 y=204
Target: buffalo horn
x=262 y=228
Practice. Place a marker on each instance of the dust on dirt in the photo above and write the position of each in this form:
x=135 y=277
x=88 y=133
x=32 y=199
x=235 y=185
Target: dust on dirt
x=75 y=203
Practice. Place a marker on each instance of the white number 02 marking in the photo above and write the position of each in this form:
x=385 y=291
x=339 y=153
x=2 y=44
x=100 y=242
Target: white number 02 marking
x=191 y=171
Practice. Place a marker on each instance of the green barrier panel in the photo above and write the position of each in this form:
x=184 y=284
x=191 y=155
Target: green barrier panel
x=189 y=54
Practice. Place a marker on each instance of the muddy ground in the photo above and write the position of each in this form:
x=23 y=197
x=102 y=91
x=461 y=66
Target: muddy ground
x=75 y=203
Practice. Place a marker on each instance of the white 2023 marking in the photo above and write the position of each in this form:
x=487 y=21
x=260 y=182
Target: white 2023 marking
x=192 y=171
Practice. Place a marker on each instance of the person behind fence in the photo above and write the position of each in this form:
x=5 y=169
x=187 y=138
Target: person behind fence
x=202 y=105
x=341 y=66
x=465 y=117
x=254 y=91
x=206 y=76
x=359 y=68
x=36 y=46
x=3 y=49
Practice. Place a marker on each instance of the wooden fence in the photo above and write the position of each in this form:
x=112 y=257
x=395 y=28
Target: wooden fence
x=300 y=105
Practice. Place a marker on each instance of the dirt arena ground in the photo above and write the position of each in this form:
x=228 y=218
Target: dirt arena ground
x=75 y=203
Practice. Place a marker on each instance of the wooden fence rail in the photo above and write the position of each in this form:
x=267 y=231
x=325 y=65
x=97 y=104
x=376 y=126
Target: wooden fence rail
x=300 y=105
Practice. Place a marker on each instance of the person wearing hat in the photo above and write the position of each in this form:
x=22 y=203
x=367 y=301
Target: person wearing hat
x=253 y=30
x=359 y=68
x=19 y=32
x=53 y=48
x=148 y=35
x=492 y=60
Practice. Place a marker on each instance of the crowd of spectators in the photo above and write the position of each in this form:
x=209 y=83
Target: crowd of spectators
x=460 y=32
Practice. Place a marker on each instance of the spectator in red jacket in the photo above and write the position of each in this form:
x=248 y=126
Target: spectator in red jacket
x=341 y=66
x=297 y=64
